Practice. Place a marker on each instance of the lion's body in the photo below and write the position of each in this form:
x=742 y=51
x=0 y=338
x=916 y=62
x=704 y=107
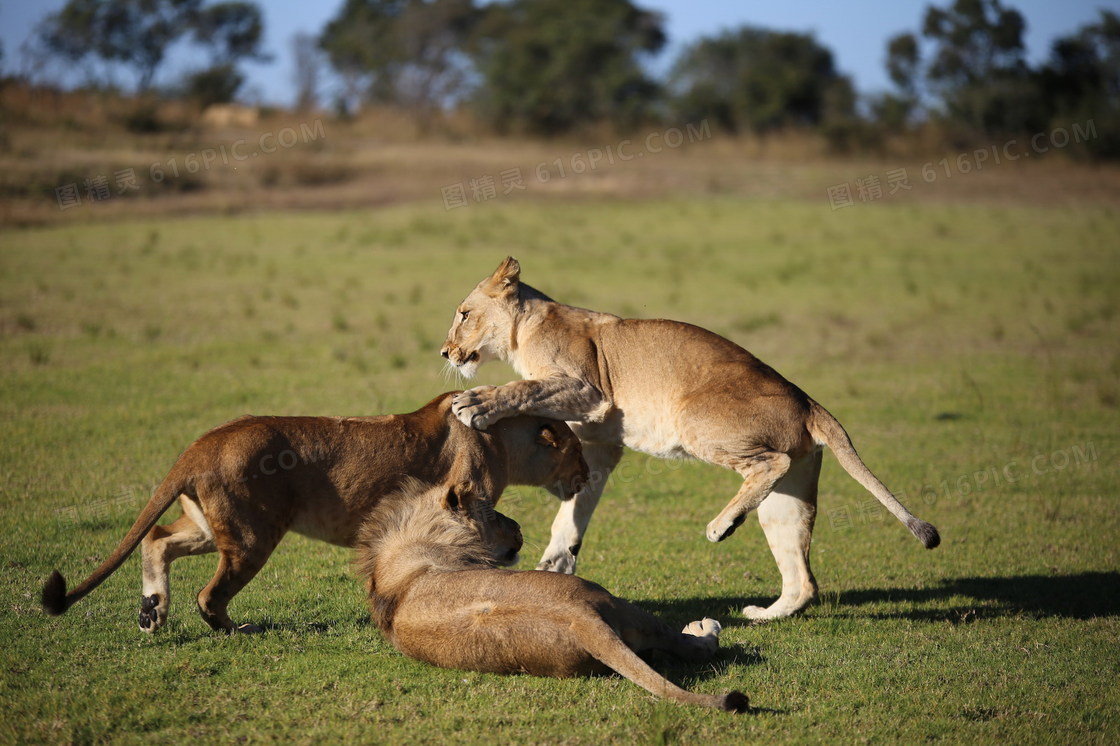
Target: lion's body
x=437 y=596
x=245 y=484
x=665 y=388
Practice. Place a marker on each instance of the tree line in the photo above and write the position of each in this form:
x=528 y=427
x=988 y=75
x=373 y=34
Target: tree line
x=554 y=67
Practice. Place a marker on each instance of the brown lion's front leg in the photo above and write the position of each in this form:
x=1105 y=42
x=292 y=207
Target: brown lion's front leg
x=557 y=397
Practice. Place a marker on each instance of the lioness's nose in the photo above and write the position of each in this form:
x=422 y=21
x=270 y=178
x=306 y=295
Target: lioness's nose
x=446 y=352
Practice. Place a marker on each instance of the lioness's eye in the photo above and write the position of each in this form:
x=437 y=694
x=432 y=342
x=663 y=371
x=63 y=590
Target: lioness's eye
x=463 y=315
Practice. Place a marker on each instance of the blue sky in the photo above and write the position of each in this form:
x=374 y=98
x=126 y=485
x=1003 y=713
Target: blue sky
x=855 y=31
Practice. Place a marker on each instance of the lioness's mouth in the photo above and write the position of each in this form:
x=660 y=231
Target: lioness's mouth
x=457 y=358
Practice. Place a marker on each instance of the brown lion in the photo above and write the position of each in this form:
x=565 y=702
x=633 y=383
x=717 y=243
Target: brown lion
x=665 y=388
x=245 y=484
x=436 y=594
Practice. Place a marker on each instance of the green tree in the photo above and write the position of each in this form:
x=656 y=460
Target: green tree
x=977 y=69
x=552 y=66
x=409 y=53
x=895 y=110
x=1081 y=82
x=760 y=80
x=217 y=84
x=139 y=33
x=232 y=31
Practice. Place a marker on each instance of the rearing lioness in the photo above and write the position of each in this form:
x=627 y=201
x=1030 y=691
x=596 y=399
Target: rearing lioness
x=668 y=389
x=437 y=596
x=245 y=484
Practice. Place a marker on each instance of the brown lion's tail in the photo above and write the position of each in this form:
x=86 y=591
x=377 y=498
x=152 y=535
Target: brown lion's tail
x=606 y=647
x=55 y=598
x=826 y=430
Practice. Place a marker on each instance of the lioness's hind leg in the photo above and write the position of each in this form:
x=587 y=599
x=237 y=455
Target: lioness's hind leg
x=160 y=547
x=760 y=473
x=787 y=518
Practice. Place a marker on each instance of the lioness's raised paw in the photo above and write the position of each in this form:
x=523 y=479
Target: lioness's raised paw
x=722 y=527
x=476 y=407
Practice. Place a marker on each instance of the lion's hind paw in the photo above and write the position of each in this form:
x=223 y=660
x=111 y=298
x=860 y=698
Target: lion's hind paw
x=704 y=635
x=706 y=627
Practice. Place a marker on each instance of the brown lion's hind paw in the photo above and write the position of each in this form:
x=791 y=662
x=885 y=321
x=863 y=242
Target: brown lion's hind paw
x=151 y=617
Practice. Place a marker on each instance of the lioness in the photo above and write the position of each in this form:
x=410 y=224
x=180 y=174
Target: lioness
x=436 y=595
x=245 y=484
x=665 y=388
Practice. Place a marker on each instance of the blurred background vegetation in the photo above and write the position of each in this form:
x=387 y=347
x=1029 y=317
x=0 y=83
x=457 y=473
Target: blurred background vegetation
x=551 y=67
x=502 y=76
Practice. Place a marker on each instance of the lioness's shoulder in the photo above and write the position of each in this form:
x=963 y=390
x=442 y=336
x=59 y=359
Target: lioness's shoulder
x=435 y=415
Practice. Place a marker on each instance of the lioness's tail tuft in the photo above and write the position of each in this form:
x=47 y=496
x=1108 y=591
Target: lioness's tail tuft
x=926 y=532
x=736 y=702
x=54 y=594
x=826 y=430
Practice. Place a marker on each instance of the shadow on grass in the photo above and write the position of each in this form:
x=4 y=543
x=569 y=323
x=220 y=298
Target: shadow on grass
x=1079 y=596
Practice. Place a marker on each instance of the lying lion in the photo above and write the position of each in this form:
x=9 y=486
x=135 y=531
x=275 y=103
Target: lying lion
x=665 y=388
x=245 y=484
x=437 y=596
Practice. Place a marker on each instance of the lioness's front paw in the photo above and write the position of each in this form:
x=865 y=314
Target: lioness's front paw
x=476 y=407
x=564 y=563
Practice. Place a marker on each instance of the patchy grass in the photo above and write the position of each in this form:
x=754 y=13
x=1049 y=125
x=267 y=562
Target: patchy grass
x=971 y=350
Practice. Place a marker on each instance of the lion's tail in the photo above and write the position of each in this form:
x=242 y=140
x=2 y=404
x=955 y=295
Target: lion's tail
x=606 y=647
x=55 y=598
x=826 y=430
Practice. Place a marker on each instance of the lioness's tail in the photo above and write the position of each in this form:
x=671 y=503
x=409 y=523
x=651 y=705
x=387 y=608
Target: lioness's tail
x=606 y=647
x=827 y=430
x=55 y=598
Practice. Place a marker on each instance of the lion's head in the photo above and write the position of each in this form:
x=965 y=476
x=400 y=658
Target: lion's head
x=452 y=517
x=499 y=534
x=483 y=323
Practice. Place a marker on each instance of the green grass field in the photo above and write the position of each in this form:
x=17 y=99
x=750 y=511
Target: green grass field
x=972 y=351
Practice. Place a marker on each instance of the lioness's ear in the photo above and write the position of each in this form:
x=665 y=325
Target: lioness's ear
x=547 y=437
x=506 y=276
